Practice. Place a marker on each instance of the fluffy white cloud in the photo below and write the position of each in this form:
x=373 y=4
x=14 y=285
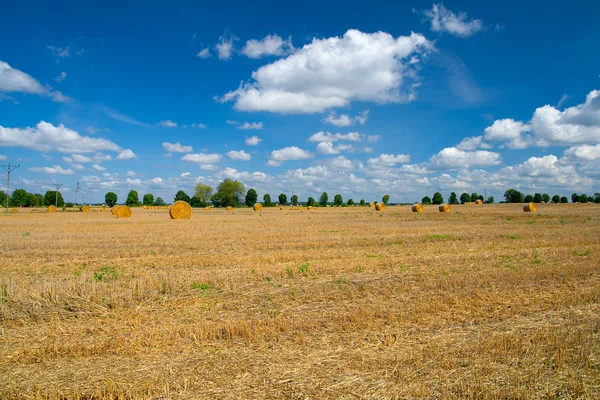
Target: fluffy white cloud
x=329 y=148
x=472 y=143
x=239 y=155
x=202 y=158
x=98 y=167
x=80 y=159
x=47 y=137
x=273 y=163
x=14 y=80
x=341 y=162
x=290 y=153
x=583 y=152
x=55 y=170
x=444 y=20
x=345 y=119
x=510 y=131
x=270 y=45
x=332 y=72
x=131 y=173
x=251 y=125
x=225 y=46
x=126 y=155
x=204 y=53
x=200 y=126
x=453 y=158
x=61 y=77
x=388 y=160
x=244 y=176
x=176 y=148
x=252 y=141
x=168 y=124
x=322 y=136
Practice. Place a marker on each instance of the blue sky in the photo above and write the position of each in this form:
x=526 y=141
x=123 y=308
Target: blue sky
x=357 y=98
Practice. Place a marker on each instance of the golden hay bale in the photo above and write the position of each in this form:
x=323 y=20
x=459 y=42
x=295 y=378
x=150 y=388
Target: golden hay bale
x=85 y=209
x=258 y=207
x=207 y=208
x=478 y=201
x=229 y=208
x=14 y=210
x=180 y=210
x=444 y=207
x=529 y=207
x=103 y=209
x=379 y=206
x=281 y=208
x=310 y=207
x=417 y=207
x=113 y=210
x=145 y=207
x=51 y=209
x=371 y=204
x=123 y=212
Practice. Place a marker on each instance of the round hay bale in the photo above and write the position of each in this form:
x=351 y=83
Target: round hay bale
x=371 y=204
x=123 y=212
x=379 y=206
x=417 y=208
x=103 y=209
x=590 y=203
x=281 y=208
x=444 y=207
x=145 y=207
x=113 y=210
x=180 y=210
x=229 y=208
x=310 y=207
x=207 y=208
x=85 y=208
x=478 y=201
x=529 y=207
x=14 y=210
x=257 y=207
x=51 y=209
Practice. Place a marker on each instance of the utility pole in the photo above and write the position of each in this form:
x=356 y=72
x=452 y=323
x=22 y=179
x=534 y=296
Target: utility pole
x=58 y=186
x=76 y=191
x=485 y=194
x=8 y=168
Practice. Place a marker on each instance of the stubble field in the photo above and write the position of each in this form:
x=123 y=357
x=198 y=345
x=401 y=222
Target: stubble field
x=483 y=302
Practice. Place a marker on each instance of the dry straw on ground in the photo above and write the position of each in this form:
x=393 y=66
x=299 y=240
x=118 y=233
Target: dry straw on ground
x=103 y=209
x=380 y=206
x=258 y=207
x=113 y=210
x=51 y=209
x=180 y=210
x=123 y=212
x=417 y=208
x=531 y=207
x=445 y=207
x=14 y=210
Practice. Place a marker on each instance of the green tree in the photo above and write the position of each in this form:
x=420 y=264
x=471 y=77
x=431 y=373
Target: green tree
x=132 y=199
x=465 y=198
x=583 y=198
x=197 y=202
x=323 y=199
x=474 y=196
x=546 y=198
x=452 y=199
x=556 y=199
x=40 y=200
x=385 y=198
x=251 y=198
x=426 y=200
x=282 y=199
x=267 y=200
x=159 y=202
x=337 y=200
x=2 y=199
x=574 y=198
x=18 y=198
x=350 y=202
x=437 y=198
x=202 y=193
x=148 y=199
x=363 y=202
x=182 y=196
x=564 y=199
x=528 y=199
x=596 y=197
x=32 y=200
x=537 y=198
x=311 y=202
x=110 y=199
x=229 y=193
x=294 y=199
x=513 y=196
x=490 y=200
x=50 y=198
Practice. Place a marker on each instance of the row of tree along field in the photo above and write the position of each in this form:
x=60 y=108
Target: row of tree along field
x=232 y=193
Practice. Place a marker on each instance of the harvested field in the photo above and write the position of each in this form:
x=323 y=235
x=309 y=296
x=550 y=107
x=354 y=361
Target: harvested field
x=480 y=302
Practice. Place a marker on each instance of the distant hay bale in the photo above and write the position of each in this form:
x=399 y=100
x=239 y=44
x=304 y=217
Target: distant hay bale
x=281 y=208
x=310 y=207
x=145 y=207
x=417 y=208
x=103 y=209
x=207 y=208
x=529 y=207
x=371 y=204
x=14 y=210
x=478 y=201
x=379 y=206
x=258 y=207
x=444 y=207
x=180 y=210
x=590 y=203
x=85 y=209
x=51 y=209
x=114 y=210
x=123 y=212
x=229 y=208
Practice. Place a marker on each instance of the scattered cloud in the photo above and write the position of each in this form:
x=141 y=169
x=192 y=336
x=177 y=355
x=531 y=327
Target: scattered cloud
x=388 y=160
x=199 y=126
x=473 y=143
x=176 y=148
x=118 y=116
x=583 y=152
x=55 y=170
x=202 y=158
x=253 y=141
x=131 y=173
x=240 y=155
x=14 y=80
x=204 y=53
x=98 y=167
x=225 y=46
x=168 y=124
x=62 y=52
x=251 y=125
x=562 y=100
x=453 y=158
x=61 y=77
x=290 y=153
x=444 y=20
x=333 y=72
x=344 y=120
x=270 y=45
x=322 y=136
x=80 y=159
x=230 y=122
x=126 y=155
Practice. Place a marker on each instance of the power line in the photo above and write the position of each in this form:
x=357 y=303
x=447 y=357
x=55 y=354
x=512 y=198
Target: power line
x=77 y=191
x=58 y=186
x=8 y=168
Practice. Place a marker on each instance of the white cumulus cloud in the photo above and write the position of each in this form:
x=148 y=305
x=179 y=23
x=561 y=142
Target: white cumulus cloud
x=204 y=53
x=55 y=170
x=225 y=46
x=444 y=20
x=98 y=167
x=251 y=125
x=126 y=155
x=290 y=153
x=388 y=160
x=583 y=152
x=252 y=141
x=176 y=148
x=453 y=158
x=240 y=155
x=14 y=80
x=202 y=158
x=322 y=136
x=168 y=124
x=270 y=45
